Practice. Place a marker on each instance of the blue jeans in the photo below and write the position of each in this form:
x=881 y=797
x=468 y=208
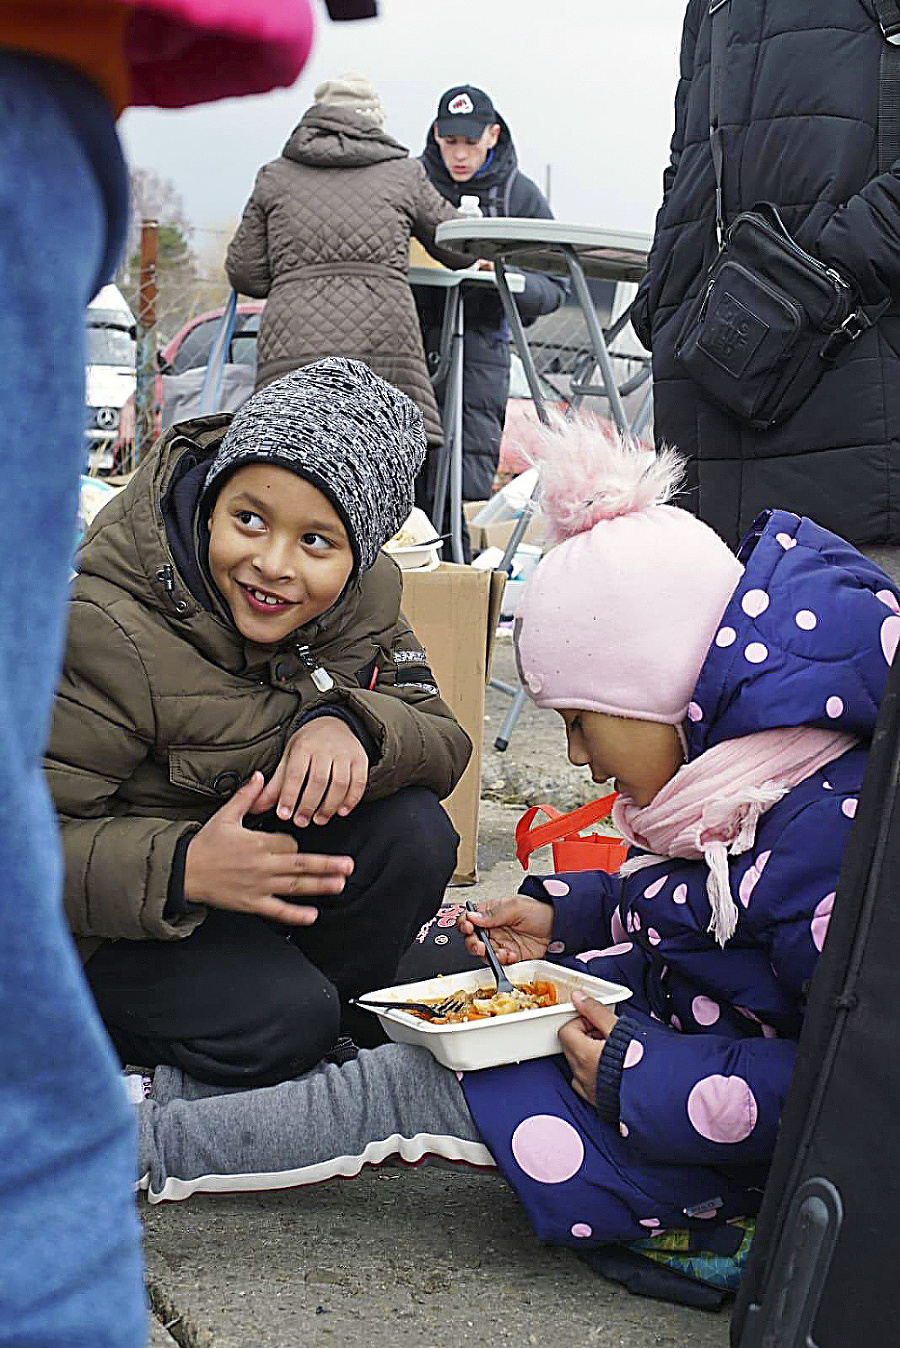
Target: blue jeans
x=70 y=1271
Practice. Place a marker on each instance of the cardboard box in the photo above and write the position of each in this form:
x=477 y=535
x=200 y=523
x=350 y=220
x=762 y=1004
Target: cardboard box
x=498 y=535
x=419 y=257
x=454 y=611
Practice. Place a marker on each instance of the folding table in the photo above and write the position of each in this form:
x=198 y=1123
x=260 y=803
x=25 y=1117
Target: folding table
x=450 y=367
x=577 y=251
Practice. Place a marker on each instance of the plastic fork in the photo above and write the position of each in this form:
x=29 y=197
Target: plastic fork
x=434 y=1010
x=503 y=983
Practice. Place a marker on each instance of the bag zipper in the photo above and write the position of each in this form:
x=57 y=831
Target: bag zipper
x=703 y=307
x=837 y=283
x=781 y=297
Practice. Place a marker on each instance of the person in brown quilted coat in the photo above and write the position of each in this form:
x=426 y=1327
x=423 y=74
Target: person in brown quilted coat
x=325 y=238
x=249 y=750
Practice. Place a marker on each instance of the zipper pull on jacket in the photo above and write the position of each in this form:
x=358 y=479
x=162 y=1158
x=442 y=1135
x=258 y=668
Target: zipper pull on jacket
x=320 y=677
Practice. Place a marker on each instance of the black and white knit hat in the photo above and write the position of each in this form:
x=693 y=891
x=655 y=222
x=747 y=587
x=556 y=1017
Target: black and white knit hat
x=354 y=436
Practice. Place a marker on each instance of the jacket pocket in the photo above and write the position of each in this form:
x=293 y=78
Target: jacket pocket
x=217 y=770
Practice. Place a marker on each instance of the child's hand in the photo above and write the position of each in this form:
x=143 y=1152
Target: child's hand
x=520 y=928
x=229 y=866
x=583 y=1040
x=323 y=771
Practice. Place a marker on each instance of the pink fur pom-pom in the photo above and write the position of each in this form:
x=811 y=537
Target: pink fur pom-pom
x=590 y=472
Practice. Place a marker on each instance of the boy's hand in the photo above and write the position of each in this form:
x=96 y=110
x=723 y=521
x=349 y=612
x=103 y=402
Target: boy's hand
x=519 y=927
x=229 y=866
x=323 y=771
x=583 y=1040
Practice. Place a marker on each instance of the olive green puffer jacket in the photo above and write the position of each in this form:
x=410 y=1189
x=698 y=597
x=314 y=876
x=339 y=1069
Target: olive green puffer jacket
x=164 y=709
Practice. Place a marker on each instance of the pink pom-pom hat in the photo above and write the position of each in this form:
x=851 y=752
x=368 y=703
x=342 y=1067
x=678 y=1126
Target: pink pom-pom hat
x=620 y=613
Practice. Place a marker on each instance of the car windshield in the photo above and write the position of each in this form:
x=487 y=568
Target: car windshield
x=197 y=343
x=108 y=345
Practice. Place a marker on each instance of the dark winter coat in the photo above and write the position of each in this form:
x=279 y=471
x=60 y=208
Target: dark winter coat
x=800 y=111
x=501 y=190
x=693 y=1078
x=325 y=235
x=164 y=709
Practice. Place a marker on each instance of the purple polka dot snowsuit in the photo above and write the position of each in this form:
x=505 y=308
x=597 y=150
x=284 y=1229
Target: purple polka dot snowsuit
x=693 y=1079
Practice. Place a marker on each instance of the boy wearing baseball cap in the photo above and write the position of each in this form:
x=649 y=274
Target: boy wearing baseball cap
x=249 y=749
x=466 y=129
x=470 y=151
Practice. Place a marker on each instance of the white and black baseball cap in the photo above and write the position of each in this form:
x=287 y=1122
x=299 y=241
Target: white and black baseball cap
x=464 y=111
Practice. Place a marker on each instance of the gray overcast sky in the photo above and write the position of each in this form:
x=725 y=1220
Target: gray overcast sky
x=585 y=85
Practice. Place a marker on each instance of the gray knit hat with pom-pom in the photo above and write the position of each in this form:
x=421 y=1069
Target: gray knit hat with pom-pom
x=354 y=436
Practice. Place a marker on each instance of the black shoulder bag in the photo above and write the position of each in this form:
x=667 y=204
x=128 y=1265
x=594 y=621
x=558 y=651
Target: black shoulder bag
x=771 y=318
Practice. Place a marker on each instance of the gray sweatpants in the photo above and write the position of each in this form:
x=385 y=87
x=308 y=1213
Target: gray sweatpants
x=395 y=1100
x=887 y=556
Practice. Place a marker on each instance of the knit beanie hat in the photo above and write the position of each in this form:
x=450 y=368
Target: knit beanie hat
x=355 y=93
x=354 y=436
x=619 y=615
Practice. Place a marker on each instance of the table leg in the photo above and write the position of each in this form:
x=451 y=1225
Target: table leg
x=583 y=386
x=642 y=416
x=595 y=332
x=456 y=443
x=518 y=533
x=518 y=335
x=519 y=341
x=452 y=372
x=448 y=318
x=501 y=743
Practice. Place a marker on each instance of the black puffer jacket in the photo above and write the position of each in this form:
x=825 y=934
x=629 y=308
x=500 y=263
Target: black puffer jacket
x=800 y=113
x=501 y=190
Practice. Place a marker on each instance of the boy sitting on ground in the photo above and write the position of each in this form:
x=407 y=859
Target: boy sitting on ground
x=249 y=749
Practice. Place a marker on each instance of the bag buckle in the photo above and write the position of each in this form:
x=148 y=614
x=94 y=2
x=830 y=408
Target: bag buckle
x=853 y=326
x=887 y=13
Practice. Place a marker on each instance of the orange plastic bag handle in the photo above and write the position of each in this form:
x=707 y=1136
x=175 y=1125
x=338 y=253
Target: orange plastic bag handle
x=528 y=839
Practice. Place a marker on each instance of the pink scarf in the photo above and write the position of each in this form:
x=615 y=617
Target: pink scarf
x=712 y=805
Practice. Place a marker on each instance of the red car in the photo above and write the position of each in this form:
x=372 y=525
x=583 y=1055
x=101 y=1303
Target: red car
x=190 y=349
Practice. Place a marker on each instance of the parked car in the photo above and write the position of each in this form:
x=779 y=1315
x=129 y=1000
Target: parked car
x=189 y=350
x=109 y=374
x=192 y=345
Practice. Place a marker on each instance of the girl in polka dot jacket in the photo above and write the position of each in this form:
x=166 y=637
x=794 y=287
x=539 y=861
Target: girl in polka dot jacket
x=733 y=700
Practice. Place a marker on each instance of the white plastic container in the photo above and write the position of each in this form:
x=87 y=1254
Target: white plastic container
x=415 y=547
x=475 y=1044
x=524 y=562
x=470 y=207
x=418 y=557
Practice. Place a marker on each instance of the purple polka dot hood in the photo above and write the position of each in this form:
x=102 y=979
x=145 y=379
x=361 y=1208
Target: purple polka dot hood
x=693 y=1079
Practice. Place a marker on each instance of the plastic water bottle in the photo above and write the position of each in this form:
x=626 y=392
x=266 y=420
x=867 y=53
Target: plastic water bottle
x=470 y=208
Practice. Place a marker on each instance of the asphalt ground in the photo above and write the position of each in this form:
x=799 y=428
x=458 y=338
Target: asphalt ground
x=429 y=1256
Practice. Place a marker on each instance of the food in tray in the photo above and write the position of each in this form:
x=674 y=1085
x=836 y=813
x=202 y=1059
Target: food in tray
x=404 y=538
x=482 y=1003
x=416 y=531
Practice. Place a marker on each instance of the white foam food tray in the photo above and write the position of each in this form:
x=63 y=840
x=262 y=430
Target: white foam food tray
x=417 y=556
x=471 y=1045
